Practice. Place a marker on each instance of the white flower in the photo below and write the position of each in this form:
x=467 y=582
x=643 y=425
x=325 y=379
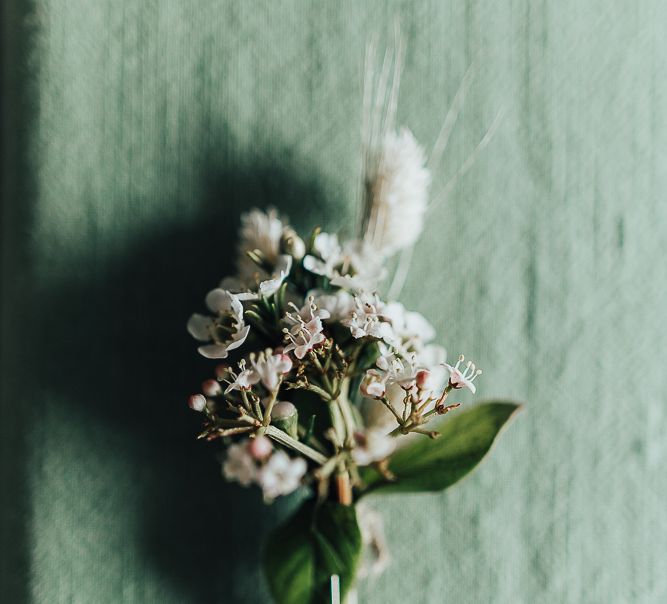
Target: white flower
x=432 y=357
x=398 y=193
x=374 y=384
x=271 y=286
x=398 y=370
x=227 y=331
x=463 y=379
x=372 y=445
x=268 y=368
x=292 y=244
x=305 y=334
x=259 y=231
x=281 y=475
x=361 y=267
x=366 y=318
x=339 y=304
x=239 y=464
x=412 y=329
x=329 y=251
x=245 y=379
x=354 y=266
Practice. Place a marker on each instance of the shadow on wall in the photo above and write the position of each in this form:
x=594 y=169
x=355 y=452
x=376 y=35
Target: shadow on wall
x=121 y=331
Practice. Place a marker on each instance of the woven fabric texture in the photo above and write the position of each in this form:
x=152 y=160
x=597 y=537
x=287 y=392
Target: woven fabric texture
x=137 y=132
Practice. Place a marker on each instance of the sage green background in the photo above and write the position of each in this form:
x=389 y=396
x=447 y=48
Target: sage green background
x=134 y=133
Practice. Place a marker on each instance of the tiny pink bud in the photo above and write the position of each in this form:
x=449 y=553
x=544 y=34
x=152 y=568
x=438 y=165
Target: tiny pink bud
x=285 y=363
x=260 y=447
x=211 y=388
x=197 y=402
x=221 y=371
x=423 y=378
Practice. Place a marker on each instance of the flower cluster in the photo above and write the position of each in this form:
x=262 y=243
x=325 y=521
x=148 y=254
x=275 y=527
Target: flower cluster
x=325 y=381
x=309 y=345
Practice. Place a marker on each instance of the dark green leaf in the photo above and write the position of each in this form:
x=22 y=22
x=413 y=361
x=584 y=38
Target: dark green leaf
x=315 y=543
x=433 y=465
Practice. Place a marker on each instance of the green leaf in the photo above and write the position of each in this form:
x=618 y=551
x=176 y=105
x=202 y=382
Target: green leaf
x=435 y=464
x=316 y=542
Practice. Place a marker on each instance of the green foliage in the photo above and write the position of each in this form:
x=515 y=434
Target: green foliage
x=435 y=464
x=316 y=542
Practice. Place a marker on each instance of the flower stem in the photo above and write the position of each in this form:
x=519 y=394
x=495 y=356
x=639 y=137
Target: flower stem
x=285 y=439
x=346 y=412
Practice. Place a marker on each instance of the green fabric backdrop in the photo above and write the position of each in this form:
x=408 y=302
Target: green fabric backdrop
x=134 y=135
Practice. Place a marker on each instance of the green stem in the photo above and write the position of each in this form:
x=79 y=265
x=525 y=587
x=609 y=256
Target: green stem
x=346 y=412
x=269 y=406
x=285 y=439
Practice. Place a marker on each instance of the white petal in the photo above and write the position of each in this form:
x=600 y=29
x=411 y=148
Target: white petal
x=243 y=296
x=213 y=351
x=199 y=327
x=270 y=287
x=312 y=264
x=219 y=300
x=239 y=338
x=284 y=264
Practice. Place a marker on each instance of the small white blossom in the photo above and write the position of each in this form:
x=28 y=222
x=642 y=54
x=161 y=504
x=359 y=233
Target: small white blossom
x=304 y=334
x=245 y=379
x=372 y=445
x=354 y=266
x=374 y=384
x=463 y=379
x=228 y=322
x=411 y=329
x=329 y=251
x=259 y=231
x=339 y=304
x=360 y=267
x=271 y=286
x=366 y=319
x=269 y=368
x=398 y=370
x=281 y=475
x=292 y=244
x=239 y=464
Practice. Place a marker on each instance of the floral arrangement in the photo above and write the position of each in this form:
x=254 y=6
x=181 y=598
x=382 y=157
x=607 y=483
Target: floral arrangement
x=323 y=386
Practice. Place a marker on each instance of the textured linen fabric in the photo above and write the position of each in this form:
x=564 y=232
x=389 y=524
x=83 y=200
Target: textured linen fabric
x=135 y=133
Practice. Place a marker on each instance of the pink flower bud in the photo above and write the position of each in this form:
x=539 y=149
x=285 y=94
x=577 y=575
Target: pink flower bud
x=260 y=447
x=197 y=402
x=221 y=371
x=211 y=388
x=423 y=378
x=284 y=363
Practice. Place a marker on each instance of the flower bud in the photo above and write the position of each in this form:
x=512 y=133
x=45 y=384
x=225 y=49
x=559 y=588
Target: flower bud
x=260 y=447
x=285 y=417
x=197 y=402
x=221 y=371
x=423 y=378
x=285 y=363
x=292 y=244
x=211 y=388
